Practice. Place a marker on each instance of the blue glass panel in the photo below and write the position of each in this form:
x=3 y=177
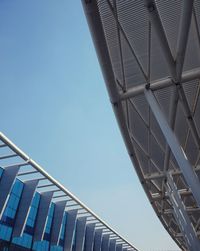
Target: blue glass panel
x=62 y=233
x=49 y=222
x=41 y=246
x=24 y=241
x=1 y=171
x=56 y=248
x=32 y=213
x=44 y=245
x=9 y=213
x=74 y=239
x=26 y=238
x=5 y=232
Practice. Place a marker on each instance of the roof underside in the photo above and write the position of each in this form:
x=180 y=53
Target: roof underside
x=136 y=55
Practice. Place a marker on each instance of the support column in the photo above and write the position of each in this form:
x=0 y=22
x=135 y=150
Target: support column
x=187 y=170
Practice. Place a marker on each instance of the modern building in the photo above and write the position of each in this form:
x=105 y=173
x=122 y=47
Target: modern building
x=149 y=52
x=38 y=213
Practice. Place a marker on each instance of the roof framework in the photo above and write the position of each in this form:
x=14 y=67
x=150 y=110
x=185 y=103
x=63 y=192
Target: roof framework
x=149 y=52
x=29 y=171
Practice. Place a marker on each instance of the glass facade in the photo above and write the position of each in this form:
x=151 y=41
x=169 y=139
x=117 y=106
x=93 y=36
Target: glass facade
x=25 y=242
x=36 y=212
x=1 y=172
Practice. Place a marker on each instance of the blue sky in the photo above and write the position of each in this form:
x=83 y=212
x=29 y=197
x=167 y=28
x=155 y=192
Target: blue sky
x=55 y=107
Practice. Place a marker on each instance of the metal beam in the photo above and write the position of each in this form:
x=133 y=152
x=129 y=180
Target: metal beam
x=159 y=84
x=155 y=176
x=156 y=22
x=185 y=21
x=187 y=171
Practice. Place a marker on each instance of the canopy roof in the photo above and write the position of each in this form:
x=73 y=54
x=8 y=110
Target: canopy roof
x=154 y=45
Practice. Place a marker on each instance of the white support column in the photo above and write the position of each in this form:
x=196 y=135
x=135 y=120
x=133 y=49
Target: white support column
x=187 y=170
x=181 y=216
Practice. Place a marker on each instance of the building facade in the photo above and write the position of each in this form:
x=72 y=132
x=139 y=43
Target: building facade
x=38 y=213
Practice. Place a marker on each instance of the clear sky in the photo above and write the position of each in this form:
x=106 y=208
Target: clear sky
x=54 y=106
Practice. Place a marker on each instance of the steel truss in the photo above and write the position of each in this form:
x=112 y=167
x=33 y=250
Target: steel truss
x=169 y=199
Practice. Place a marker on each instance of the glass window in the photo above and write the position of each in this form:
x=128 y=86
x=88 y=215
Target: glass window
x=9 y=213
x=62 y=233
x=74 y=239
x=1 y=171
x=56 y=248
x=49 y=222
x=44 y=245
x=41 y=246
x=26 y=239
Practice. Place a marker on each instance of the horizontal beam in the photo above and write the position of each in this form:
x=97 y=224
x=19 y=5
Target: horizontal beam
x=159 y=84
x=188 y=209
x=183 y=192
x=155 y=176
